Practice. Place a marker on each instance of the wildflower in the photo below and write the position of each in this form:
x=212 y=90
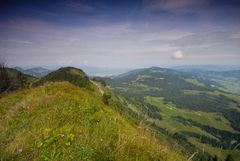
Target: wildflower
x=20 y=150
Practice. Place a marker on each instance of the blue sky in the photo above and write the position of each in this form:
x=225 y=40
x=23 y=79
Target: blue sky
x=119 y=33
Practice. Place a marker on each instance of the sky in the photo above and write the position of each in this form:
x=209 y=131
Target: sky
x=119 y=33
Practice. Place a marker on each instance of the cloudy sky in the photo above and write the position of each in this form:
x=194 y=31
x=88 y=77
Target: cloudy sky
x=119 y=33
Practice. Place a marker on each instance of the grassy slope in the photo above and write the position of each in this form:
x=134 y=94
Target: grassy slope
x=214 y=151
x=59 y=121
x=206 y=118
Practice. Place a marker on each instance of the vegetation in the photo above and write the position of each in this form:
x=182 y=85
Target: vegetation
x=225 y=80
x=106 y=98
x=182 y=106
x=11 y=79
x=147 y=114
x=4 y=78
x=70 y=74
x=60 y=121
x=103 y=83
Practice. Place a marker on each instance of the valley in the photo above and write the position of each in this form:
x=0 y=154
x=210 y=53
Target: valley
x=180 y=103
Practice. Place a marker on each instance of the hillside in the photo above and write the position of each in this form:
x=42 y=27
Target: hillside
x=224 y=80
x=182 y=106
x=73 y=75
x=61 y=121
x=16 y=80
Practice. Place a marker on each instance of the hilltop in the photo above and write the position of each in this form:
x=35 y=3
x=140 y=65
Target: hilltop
x=73 y=75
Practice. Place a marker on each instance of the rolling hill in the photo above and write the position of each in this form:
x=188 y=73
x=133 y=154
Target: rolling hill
x=226 y=78
x=61 y=118
x=228 y=81
x=183 y=106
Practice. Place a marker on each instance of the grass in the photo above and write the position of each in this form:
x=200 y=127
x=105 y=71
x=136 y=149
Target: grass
x=60 y=121
x=214 y=93
x=228 y=84
x=221 y=154
x=195 y=82
x=213 y=119
x=205 y=118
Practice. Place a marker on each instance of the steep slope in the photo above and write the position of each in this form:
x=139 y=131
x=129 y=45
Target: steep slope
x=178 y=103
x=60 y=121
x=73 y=75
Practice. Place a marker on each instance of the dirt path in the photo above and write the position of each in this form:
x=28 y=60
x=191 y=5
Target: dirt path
x=98 y=86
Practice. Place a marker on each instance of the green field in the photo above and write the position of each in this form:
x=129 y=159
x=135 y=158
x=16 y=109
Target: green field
x=206 y=118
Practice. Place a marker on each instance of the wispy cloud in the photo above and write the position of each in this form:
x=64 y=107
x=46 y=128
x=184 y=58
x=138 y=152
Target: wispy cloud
x=174 y=5
x=16 y=41
x=115 y=44
x=79 y=6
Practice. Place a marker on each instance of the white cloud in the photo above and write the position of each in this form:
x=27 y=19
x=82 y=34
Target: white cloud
x=178 y=55
x=116 y=44
x=235 y=36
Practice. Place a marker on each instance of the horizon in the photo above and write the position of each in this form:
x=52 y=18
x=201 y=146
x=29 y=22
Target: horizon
x=108 y=72
x=119 y=34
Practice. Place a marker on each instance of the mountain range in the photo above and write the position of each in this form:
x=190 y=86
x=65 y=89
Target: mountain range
x=145 y=114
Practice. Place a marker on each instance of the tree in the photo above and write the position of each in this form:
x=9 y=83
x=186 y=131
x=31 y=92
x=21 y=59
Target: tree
x=229 y=158
x=5 y=83
x=215 y=158
x=23 y=82
x=106 y=98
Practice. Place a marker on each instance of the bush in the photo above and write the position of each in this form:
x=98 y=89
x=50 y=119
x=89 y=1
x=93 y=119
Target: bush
x=106 y=98
x=4 y=78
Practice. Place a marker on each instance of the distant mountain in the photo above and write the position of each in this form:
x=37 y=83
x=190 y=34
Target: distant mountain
x=36 y=72
x=189 y=68
x=182 y=105
x=19 y=69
